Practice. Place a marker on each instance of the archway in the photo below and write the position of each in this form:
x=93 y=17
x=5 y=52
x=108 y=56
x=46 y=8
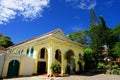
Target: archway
x=70 y=61
x=42 y=61
x=58 y=55
x=13 y=68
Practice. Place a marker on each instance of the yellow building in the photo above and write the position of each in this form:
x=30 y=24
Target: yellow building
x=42 y=51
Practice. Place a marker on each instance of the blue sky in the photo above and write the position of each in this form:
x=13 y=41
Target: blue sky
x=24 y=19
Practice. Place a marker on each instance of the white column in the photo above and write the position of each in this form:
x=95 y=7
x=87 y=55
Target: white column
x=50 y=61
x=64 y=63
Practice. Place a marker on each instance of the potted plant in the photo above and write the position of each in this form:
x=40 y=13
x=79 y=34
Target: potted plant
x=55 y=69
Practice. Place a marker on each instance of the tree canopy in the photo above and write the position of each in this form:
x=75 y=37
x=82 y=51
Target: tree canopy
x=117 y=30
x=116 y=40
x=80 y=37
x=5 y=41
x=99 y=33
x=100 y=38
x=116 y=49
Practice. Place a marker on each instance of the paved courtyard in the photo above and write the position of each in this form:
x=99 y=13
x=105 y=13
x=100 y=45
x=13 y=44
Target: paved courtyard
x=71 y=77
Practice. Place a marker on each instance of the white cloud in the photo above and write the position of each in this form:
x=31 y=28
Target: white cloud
x=82 y=4
x=9 y=9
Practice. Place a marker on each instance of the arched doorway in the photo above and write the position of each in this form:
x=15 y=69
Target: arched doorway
x=42 y=61
x=13 y=68
x=58 y=55
x=70 y=61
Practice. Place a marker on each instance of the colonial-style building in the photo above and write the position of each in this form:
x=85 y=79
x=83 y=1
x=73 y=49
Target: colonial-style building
x=36 y=55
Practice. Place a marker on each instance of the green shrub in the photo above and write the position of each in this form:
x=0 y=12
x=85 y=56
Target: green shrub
x=55 y=68
x=115 y=66
x=114 y=71
x=108 y=71
x=101 y=65
x=108 y=67
x=68 y=69
x=118 y=72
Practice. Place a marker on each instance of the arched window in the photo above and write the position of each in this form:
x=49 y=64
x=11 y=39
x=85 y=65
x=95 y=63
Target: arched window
x=27 y=52
x=42 y=55
x=32 y=51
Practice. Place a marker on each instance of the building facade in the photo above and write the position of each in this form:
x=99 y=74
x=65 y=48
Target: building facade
x=36 y=55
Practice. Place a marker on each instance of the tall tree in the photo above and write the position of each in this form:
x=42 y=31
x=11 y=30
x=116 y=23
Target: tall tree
x=105 y=31
x=5 y=41
x=99 y=33
x=95 y=34
x=93 y=18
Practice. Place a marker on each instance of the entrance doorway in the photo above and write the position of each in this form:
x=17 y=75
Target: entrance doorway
x=42 y=61
x=13 y=68
x=41 y=68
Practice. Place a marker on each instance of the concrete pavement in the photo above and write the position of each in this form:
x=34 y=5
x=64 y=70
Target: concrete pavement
x=71 y=77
